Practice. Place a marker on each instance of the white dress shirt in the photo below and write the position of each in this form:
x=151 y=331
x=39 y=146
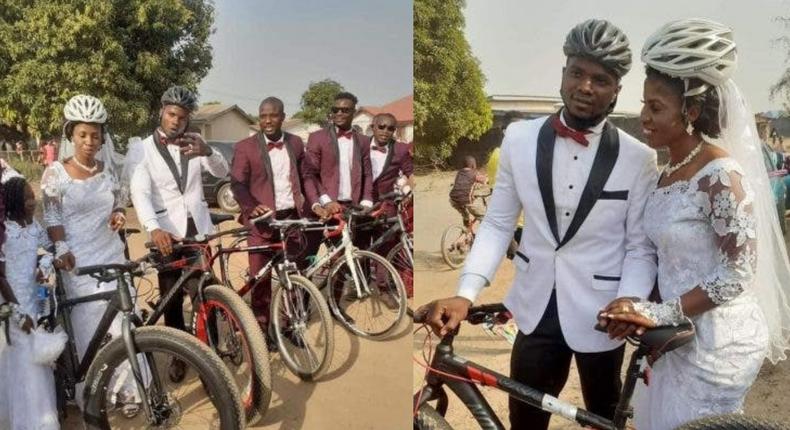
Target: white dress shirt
x=570 y=169
x=345 y=146
x=377 y=159
x=281 y=170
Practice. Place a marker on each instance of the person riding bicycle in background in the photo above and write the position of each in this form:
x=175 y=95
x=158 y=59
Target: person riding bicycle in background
x=468 y=193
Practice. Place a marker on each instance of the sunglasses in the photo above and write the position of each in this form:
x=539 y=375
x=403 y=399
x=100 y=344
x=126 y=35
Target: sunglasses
x=342 y=109
x=386 y=127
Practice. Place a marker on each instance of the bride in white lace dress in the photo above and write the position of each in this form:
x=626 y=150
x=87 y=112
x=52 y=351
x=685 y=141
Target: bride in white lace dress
x=83 y=209
x=710 y=217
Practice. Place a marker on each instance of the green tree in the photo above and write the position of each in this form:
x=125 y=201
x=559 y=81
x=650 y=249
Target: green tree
x=449 y=99
x=317 y=101
x=126 y=52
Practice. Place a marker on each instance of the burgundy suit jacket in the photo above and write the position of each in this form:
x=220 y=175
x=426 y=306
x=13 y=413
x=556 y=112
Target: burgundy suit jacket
x=322 y=167
x=398 y=160
x=251 y=178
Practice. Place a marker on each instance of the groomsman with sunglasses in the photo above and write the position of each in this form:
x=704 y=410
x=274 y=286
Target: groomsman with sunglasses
x=338 y=171
x=389 y=159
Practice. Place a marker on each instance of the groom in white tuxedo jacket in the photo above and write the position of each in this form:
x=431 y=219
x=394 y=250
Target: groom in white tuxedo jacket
x=167 y=186
x=582 y=185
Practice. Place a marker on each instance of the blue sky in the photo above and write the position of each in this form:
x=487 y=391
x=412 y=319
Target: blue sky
x=519 y=43
x=276 y=48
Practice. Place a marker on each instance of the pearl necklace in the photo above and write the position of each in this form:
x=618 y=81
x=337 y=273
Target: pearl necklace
x=90 y=170
x=670 y=169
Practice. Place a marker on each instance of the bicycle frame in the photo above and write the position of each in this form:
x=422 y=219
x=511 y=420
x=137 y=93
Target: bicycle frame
x=120 y=300
x=448 y=362
x=397 y=227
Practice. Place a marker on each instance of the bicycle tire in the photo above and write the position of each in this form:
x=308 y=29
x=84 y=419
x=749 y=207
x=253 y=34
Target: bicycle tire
x=428 y=418
x=448 y=258
x=406 y=271
x=327 y=328
x=347 y=321
x=256 y=401
x=215 y=377
x=235 y=273
x=733 y=422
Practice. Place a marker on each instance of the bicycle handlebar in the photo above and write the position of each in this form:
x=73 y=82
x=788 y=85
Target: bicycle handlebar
x=476 y=314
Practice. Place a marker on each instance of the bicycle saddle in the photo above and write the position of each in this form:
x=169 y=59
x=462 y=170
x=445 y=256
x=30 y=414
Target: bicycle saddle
x=661 y=340
x=220 y=218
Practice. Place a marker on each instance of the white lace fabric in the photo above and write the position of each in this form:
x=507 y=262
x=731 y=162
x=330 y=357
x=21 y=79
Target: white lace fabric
x=704 y=233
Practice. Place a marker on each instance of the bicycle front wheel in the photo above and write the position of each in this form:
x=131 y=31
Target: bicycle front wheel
x=401 y=259
x=205 y=398
x=428 y=418
x=229 y=327
x=368 y=297
x=455 y=245
x=303 y=328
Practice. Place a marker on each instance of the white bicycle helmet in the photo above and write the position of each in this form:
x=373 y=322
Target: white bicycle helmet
x=85 y=108
x=601 y=41
x=692 y=48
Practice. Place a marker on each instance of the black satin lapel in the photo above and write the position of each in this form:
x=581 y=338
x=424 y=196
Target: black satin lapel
x=266 y=161
x=184 y=171
x=543 y=162
x=171 y=164
x=605 y=158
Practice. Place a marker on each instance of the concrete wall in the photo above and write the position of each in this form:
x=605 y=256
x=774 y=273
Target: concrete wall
x=228 y=127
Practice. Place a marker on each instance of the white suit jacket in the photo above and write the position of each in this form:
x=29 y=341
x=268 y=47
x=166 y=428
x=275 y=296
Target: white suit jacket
x=603 y=255
x=162 y=201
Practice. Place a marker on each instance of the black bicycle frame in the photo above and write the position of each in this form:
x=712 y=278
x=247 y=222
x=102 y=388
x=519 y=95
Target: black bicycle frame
x=446 y=361
x=75 y=370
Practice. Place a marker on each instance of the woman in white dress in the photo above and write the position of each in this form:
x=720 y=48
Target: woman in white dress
x=34 y=406
x=721 y=258
x=83 y=209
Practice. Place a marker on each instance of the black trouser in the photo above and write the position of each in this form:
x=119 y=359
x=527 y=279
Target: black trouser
x=174 y=311
x=542 y=361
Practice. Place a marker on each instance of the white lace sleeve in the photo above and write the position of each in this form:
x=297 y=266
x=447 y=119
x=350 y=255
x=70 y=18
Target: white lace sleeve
x=727 y=202
x=52 y=192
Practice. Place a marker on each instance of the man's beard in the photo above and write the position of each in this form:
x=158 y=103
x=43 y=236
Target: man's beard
x=583 y=123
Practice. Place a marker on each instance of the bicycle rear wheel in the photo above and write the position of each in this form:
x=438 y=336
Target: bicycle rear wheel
x=732 y=422
x=206 y=398
x=227 y=324
x=235 y=266
x=303 y=328
x=428 y=418
x=455 y=246
x=375 y=306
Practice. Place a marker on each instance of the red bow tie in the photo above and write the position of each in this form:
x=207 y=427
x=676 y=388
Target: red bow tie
x=382 y=149
x=347 y=134
x=273 y=145
x=565 y=131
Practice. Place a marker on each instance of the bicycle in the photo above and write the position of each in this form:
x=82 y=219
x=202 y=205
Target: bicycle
x=144 y=351
x=300 y=318
x=461 y=375
x=457 y=239
x=220 y=318
x=371 y=311
x=400 y=255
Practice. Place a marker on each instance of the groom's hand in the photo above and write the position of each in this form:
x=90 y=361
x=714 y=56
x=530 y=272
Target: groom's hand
x=619 y=329
x=445 y=315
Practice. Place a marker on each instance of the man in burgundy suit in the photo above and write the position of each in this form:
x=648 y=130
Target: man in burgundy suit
x=389 y=159
x=266 y=175
x=337 y=171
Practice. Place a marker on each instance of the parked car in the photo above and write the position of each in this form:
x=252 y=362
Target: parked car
x=774 y=163
x=217 y=190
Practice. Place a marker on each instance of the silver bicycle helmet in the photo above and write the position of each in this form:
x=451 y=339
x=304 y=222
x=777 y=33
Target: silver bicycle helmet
x=692 y=48
x=180 y=96
x=602 y=42
x=85 y=108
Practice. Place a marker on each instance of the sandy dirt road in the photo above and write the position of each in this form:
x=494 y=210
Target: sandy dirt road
x=434 y=280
